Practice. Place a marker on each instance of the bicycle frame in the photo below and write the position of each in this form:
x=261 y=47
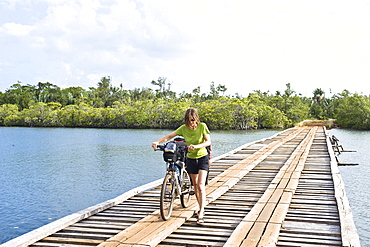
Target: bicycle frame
x=172 y=169
x=176 y=183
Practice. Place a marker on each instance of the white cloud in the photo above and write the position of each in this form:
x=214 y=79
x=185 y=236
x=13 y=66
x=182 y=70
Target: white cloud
x=245 y=45
x=17 y=29
x=68 y=69
x=94 y=77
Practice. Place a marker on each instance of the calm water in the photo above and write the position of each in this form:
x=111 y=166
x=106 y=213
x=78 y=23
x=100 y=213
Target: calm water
x=46 y=174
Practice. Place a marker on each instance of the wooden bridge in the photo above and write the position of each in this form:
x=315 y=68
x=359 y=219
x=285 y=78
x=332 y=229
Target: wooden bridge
x=285 y=190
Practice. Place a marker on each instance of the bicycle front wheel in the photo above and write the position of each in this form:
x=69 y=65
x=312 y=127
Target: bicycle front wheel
x=186 y=187
x=167 y=196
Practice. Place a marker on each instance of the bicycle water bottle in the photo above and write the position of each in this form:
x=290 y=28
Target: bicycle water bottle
x=178 y=173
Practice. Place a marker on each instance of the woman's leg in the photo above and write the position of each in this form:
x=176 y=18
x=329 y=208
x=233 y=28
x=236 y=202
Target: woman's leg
x=199 y=181
x=202 y=176
x=194 y=179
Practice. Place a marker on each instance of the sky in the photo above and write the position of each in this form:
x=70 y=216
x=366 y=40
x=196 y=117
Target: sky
x=244 y=45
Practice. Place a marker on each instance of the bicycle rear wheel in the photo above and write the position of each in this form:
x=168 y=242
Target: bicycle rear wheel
x=186 y=187
x=167 y=196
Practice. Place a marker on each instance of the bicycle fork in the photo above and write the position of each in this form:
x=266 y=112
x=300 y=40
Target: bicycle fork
x=176 y=187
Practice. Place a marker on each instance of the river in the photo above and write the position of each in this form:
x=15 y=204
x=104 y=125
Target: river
x=48 y=173
x=356 y=178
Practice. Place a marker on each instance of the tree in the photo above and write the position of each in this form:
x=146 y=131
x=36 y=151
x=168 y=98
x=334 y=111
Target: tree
x=161 y=82
x=353 y=111
x=72 y=95
x=47 y=92
x=318 y=107
x=221 y=88
x=163 y=92
x=288 y=91
x=106 y=106
x=104 y=91
x=215 y=91
x=318 y=95
x=7 y=110
x=21 y=95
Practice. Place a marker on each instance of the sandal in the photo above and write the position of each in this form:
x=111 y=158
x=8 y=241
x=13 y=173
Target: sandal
x=200 y=221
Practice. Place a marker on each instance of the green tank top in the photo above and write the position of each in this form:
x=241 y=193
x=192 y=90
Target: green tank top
x=194 y=137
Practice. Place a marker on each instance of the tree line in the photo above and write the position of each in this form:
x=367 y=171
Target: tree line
x=107 y=106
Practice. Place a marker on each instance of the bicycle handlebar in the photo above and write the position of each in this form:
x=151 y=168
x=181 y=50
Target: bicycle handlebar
x=162 y=148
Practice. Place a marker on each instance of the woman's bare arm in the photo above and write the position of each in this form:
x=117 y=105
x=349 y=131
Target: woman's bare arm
x=206 y=143
x=163 y=139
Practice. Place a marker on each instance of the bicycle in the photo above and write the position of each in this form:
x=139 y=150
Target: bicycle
x=177 y=181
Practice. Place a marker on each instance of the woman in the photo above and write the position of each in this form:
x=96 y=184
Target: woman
x=197 y=137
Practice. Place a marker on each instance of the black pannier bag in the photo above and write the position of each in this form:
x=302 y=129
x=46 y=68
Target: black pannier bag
x=169 y=154
x=175 y=150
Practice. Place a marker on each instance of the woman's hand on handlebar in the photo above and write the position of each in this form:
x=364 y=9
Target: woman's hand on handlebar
x=155 y=145
x=191 y=147
x=163 y=139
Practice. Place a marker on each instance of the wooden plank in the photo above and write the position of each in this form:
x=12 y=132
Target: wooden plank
x=55 y=226
x=82 y=235
x=267 y=211
x=191 y=230
x=254 y=235
x=239 y=233
x=96 y=224
x=304 y=231
x=270 y=236
x=196 y=243
x=310 y=241
x=261 y=213
x=54 y=245
x=73 y=240
x=276 y=196
x=279 y=213
x=92 y=230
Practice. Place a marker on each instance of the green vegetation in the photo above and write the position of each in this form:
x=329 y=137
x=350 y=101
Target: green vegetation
x=106 y=106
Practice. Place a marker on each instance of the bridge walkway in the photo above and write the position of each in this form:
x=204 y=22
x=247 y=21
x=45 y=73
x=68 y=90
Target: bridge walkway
x=284 y=190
